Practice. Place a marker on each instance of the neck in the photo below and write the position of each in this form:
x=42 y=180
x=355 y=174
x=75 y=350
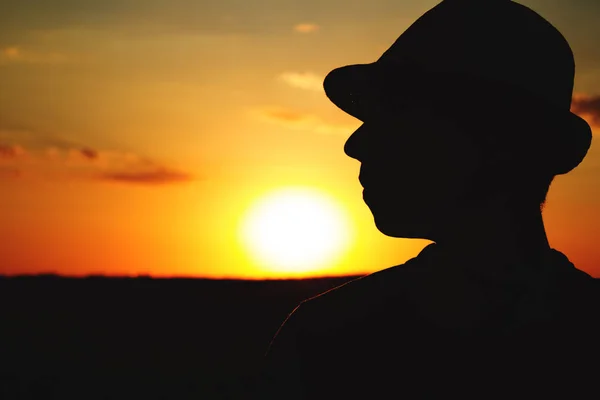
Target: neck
x=497 y=240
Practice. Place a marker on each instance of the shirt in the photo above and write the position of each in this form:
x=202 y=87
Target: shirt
x=417 y=331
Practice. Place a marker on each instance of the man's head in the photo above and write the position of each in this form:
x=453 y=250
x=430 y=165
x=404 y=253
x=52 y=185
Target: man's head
x=423 y=167
x=469 y=106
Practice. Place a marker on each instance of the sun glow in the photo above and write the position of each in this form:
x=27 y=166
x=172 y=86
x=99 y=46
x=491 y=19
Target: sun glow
x=296 y=230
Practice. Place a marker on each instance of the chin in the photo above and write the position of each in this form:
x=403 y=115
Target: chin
x=393 y=227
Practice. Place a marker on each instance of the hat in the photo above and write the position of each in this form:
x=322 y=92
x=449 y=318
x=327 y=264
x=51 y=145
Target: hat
x=471 y=53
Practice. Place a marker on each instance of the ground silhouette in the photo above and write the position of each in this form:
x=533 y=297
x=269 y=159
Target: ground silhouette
x=139 y=338
x=466 y=122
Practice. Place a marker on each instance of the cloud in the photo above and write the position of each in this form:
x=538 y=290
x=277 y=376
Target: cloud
x=34 y=139
x=88 y=153
x=64 y=160
x=9 y=152
x=306 y=28
x=587 y=107
x=153 y=177
x=301 y=121
x=11 y=53
x=16 y=54
x=303 y=80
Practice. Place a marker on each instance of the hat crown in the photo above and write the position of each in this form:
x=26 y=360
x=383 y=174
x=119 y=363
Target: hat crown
x=474 y=38
x=512 y=64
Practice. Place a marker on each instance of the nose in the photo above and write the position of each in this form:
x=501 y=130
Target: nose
x=355 y=145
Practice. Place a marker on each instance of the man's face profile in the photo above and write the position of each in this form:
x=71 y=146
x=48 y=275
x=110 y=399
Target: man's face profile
x=415 y=165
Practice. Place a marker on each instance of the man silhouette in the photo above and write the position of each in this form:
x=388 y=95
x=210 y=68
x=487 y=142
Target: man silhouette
x=466 y=121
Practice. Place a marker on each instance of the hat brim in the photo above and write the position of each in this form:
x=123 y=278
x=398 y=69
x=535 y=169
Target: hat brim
x=359 y=90
x=370 y=91
x=577 y=135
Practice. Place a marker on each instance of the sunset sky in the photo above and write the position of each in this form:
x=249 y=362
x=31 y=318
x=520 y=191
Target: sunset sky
x=137 y=135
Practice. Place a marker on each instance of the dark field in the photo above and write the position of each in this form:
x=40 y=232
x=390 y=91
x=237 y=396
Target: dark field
x=110 y=338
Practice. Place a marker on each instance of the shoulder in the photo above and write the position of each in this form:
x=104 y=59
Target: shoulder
x=350 y=311
x=361 y=299
x=348 y=325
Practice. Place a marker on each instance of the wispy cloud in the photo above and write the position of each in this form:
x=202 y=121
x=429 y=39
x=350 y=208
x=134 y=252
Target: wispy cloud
x=12 y=53
x=303 y=80
x=89 y=153
x=306 y=28
x=297 y=120
x=10 y=152
x=153 y=177
x=9 y=155
x=65 y=160
x=16 y=54
x=587 y=107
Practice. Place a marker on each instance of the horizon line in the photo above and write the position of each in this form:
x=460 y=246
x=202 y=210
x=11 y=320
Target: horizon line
x=53 y=275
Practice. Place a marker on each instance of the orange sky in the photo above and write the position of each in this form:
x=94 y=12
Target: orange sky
x=135 y=135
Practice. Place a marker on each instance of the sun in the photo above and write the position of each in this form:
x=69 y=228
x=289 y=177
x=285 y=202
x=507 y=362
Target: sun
x=296 y=230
